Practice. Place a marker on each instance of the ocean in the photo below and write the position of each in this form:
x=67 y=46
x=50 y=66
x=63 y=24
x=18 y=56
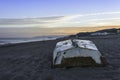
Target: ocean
x=6 y=41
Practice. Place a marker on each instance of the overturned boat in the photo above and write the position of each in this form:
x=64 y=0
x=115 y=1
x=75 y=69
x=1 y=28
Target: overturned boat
x=75 y=52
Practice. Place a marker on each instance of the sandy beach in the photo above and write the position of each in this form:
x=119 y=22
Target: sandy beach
x=32 y=61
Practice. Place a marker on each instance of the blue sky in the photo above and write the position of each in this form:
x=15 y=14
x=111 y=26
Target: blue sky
x=59 y=13
x=48 y=14
x=44 y=8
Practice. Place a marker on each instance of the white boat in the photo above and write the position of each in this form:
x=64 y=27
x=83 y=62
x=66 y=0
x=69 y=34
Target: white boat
x=76 y=52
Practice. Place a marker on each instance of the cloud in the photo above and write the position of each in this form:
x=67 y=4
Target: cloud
x=94 y=19
x=28 y=21
x=41 y=22
x=101 y=13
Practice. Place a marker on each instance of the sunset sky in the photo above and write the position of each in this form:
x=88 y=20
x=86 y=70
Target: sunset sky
x=42 y=17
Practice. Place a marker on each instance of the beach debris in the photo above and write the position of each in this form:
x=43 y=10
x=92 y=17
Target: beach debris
x=76 y=52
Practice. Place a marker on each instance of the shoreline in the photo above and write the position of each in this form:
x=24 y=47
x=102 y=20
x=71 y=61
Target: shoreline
x=27 y=41
x=63 y=38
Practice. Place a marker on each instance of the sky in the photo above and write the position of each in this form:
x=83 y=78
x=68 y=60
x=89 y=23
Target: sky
x=46 y=8
x=57 y=13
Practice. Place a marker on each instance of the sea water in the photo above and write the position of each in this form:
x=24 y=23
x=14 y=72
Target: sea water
x=4 y=41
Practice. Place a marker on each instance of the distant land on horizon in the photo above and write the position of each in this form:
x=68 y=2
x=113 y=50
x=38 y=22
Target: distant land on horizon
x=35 y=31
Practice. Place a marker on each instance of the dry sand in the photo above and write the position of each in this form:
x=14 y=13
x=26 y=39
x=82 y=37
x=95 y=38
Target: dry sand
x=32 y=61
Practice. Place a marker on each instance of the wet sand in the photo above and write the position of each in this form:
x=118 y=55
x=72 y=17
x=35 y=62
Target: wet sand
x=32 y=61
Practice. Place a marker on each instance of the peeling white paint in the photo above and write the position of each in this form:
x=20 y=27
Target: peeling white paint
x=76 y=48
